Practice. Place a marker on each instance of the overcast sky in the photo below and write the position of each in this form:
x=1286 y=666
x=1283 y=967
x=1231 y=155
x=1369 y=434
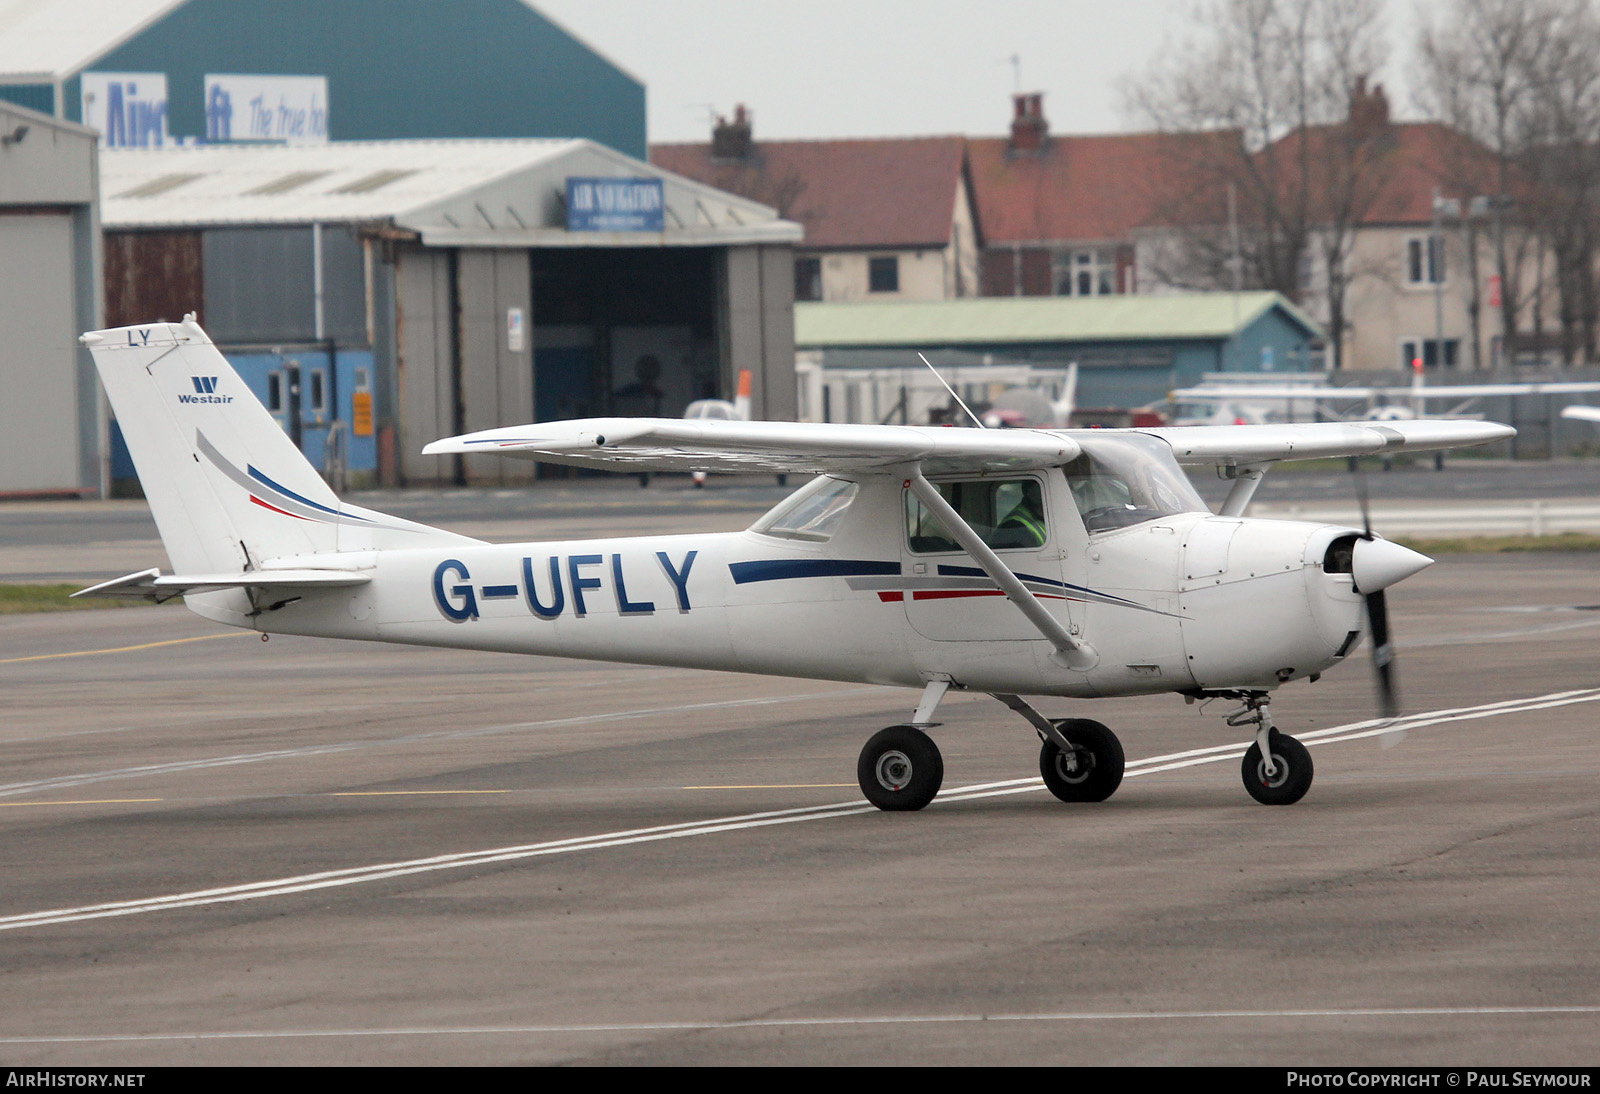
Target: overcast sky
x=861 y=68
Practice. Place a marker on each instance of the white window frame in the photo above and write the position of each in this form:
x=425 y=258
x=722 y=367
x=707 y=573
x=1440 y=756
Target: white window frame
x=1098 y=264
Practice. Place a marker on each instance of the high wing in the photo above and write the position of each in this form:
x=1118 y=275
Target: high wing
x=672 y=444
x=675 y=444
x=1245 y=392
x=1203 y=445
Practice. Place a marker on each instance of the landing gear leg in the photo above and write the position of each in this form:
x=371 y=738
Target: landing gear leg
x=1080 y=760
x=1277 y=769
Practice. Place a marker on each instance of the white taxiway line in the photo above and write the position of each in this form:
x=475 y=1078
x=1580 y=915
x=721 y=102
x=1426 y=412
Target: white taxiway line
x=8 y=790
x=1336 y=1014
x=380 y=871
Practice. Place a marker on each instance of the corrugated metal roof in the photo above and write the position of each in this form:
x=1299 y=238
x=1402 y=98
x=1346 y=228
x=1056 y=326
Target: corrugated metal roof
x=47 y=40
x=241 y=184
x=454 y=192
x=997 y=320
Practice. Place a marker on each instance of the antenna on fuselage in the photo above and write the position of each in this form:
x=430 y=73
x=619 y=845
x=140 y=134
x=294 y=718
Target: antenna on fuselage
x=976 y=420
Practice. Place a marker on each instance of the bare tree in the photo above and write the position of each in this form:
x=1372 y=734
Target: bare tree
x=1309 y=149
x=1521 y=78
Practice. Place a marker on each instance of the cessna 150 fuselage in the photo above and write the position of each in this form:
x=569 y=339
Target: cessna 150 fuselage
x=1076 y=564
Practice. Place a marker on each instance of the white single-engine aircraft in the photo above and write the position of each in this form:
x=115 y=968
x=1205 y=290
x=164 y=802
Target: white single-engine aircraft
x=1015 y=562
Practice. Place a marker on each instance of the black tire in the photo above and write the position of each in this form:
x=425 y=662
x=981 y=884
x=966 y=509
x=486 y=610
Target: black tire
x=1100 y=762
x=1291 y=776
x=900 y=769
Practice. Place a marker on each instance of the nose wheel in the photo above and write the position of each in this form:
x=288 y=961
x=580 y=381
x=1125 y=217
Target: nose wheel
x=1288 y=777
x=900 y=769
x=1277 y=769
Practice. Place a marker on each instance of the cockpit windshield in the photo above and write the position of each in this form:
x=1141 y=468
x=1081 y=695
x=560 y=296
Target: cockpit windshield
x=1128 y=478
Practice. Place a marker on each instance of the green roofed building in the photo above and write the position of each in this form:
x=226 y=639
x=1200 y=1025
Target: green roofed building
x=1130 y=350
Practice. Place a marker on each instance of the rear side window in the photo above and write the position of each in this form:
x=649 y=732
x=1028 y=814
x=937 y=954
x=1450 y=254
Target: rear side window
x=811 y=513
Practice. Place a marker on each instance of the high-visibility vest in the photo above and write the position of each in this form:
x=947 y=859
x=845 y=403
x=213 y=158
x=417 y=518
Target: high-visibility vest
x=1033 y=524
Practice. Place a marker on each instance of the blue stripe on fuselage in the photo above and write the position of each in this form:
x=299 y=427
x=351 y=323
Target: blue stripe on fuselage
x=784 y=568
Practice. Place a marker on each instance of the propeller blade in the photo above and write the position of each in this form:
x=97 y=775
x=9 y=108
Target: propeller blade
x=1361 y=499
x=1383 y=655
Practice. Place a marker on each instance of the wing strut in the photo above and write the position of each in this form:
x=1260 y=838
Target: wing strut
x=1071 y=652
x=1246 y=477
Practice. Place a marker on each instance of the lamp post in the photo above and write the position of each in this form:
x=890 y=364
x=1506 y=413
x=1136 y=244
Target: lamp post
x=1441 y=207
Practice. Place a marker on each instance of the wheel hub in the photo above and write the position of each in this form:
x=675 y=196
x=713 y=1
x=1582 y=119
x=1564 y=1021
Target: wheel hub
x=1279 y=774
x=893 y=770
x=1074 y=766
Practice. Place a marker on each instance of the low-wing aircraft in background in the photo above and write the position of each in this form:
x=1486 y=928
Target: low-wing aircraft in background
x=1382 y=404
x=1072 y=564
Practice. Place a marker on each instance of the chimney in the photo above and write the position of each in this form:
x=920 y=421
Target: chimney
x=1029 y=130
x=1368 y=109
x=731 y=140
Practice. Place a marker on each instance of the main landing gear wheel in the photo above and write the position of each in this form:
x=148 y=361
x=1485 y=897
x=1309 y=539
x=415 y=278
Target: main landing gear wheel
x=900 y=768
x=1291 y=771
x=1094 y=770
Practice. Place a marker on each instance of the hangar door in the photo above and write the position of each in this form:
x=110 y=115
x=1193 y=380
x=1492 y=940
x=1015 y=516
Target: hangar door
x=624 y=331
x=38 y=356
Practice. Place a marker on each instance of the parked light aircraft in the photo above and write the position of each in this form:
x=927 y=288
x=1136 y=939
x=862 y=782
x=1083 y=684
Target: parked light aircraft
x=1384 y=404
x=721 y=409
x=1072 y=564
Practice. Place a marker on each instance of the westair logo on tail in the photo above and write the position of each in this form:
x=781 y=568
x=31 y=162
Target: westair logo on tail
x=205 y=391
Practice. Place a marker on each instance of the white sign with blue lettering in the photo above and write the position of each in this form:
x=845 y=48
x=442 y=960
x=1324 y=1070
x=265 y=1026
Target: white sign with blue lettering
x=292 y=109
x=128 y=108
x=615 y=205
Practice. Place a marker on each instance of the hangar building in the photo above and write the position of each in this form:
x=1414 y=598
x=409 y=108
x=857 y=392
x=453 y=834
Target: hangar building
x=1130 y=350
x=378 y=295
x=193 y=70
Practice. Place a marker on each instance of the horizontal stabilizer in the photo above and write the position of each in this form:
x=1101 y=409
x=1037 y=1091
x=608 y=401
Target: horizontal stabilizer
x=150 y=585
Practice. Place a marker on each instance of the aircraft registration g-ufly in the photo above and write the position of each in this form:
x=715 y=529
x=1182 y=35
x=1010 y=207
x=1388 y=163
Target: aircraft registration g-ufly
x=1069 y=564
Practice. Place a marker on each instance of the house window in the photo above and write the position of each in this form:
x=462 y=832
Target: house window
x=883 y=274
x=808 y=279
x=1084 y=273
x=1428 y=350
x=1425 y=260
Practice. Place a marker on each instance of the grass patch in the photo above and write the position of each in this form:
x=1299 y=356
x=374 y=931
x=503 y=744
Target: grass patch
x=52 y=598
x=1491 y=545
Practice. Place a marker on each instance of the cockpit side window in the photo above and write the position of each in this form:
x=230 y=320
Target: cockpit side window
x=1125 y=480
x=1006 y=514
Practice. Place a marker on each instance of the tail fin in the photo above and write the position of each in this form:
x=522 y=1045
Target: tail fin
x=227 y=488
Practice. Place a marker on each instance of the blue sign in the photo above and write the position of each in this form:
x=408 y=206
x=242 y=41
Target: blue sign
x=614 y=205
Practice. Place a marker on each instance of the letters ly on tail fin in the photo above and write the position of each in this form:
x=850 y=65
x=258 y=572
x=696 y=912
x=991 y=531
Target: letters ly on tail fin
x=227 y=488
